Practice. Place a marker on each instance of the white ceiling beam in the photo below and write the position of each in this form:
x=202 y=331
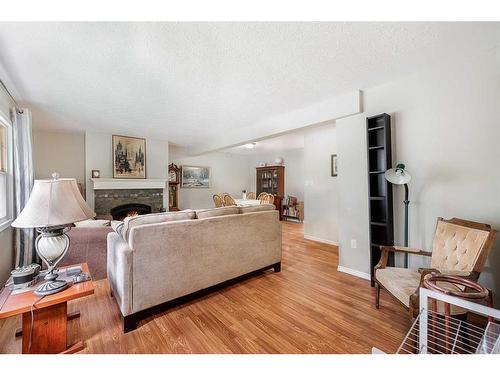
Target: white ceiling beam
x=327 y=110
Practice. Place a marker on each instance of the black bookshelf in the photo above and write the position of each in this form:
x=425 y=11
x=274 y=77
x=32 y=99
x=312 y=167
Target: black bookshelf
x=378 y=130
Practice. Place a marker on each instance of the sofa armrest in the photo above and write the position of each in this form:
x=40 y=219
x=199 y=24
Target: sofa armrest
x=120 y=271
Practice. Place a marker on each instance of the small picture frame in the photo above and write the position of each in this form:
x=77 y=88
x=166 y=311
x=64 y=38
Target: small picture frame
x=334 y=165
x=96 y=173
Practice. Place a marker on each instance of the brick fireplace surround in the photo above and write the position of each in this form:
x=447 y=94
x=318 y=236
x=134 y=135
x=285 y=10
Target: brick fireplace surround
x=106 y=199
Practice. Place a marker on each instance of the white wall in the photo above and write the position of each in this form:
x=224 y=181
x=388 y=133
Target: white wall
x=61 y=152
x=98 y=155
x=294 y=170
x=229 y=174
x=353 y=194
x=446 y=130
x=321 y=189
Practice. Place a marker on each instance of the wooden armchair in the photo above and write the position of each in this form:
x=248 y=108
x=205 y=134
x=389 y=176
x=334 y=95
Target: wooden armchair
x=460 y=247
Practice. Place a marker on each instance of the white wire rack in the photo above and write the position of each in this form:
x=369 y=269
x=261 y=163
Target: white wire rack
x=433 y=333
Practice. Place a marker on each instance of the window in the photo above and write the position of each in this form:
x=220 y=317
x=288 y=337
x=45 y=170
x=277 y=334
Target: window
x=6 y=195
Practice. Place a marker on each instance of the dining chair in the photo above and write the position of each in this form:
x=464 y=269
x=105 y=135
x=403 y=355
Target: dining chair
x=251 y=195
x=222 y=195
x=268 y=198
x=218 y=201
x=460 y=247
x=261 y=196
x=229 y=201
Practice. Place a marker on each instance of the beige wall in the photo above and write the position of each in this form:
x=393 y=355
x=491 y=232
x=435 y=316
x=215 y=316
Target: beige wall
x=230 y=174
x=320 y=188
x=445 y=128
x=6 y=254
x=61 y=152
x=98 y=155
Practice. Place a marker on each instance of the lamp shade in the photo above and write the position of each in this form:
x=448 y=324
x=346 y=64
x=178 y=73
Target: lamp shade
x=398 y=175
x=53 y=203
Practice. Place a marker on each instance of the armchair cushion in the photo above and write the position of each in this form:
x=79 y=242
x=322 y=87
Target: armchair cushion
x=403 y=282
x=400 y=282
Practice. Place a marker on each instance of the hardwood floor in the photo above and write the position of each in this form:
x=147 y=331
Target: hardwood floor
x=309 y=307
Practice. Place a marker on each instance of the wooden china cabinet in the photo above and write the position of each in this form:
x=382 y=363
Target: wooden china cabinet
x=174 y=173
x=271 y=179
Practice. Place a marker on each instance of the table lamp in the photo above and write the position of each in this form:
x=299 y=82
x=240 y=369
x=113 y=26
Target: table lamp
x=400 y=176
x=53 y=206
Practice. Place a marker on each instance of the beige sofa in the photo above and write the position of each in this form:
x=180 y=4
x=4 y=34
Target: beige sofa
x=160 y=260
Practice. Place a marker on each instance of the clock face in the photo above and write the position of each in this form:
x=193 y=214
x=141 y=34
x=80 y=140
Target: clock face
x=172 y=176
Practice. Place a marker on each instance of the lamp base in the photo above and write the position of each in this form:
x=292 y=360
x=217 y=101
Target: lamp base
x=51 y=287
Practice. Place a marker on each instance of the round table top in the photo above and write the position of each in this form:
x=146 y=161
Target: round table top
x=247 y=202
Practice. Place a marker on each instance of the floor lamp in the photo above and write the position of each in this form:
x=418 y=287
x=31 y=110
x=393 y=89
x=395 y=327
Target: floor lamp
x=400 y=176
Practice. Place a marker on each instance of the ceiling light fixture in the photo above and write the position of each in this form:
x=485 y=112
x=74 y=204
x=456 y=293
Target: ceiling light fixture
x=250 y=145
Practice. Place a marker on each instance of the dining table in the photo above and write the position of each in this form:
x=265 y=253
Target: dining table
x=247 y=202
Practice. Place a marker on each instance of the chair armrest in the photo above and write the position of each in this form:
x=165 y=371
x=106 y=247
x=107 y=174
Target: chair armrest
x=414 y=298
x=384 y=257
x=408 y=250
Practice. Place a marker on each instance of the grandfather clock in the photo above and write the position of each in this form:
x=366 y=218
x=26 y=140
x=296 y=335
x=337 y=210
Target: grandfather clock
x=173 y=187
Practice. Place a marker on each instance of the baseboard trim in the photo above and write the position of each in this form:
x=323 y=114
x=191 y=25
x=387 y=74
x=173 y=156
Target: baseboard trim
x=317 y=239
x=356 y=273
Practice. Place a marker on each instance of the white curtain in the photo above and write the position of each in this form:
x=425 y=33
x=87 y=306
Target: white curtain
x=23 y=182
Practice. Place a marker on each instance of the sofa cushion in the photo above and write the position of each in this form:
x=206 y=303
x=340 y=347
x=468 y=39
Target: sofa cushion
x=219 y=211
x=257 y=208
x=134 y=221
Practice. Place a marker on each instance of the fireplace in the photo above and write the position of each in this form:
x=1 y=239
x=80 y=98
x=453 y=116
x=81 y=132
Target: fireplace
x=106 y=200
x=129 y=209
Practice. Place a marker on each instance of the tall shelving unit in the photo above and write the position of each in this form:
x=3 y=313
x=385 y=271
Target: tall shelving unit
x=378 y=130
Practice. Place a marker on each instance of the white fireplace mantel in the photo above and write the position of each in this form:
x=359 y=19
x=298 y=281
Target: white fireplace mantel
x=124 y=183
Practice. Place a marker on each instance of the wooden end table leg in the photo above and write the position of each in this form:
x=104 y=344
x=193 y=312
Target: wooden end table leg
x=71 y=316
x=49 y=331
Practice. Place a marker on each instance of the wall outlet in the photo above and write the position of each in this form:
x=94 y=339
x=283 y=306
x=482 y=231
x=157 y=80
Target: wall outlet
x=354 y=244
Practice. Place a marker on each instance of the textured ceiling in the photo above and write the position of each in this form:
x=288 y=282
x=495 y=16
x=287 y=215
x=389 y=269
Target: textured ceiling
x=187 y=81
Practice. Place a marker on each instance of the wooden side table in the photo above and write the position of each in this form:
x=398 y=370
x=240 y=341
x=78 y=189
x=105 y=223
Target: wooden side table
x=50 y=316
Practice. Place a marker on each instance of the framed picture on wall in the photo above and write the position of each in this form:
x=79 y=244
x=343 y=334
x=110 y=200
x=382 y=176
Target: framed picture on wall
x=334 y=165
x=195 y=177
x=129 y=157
